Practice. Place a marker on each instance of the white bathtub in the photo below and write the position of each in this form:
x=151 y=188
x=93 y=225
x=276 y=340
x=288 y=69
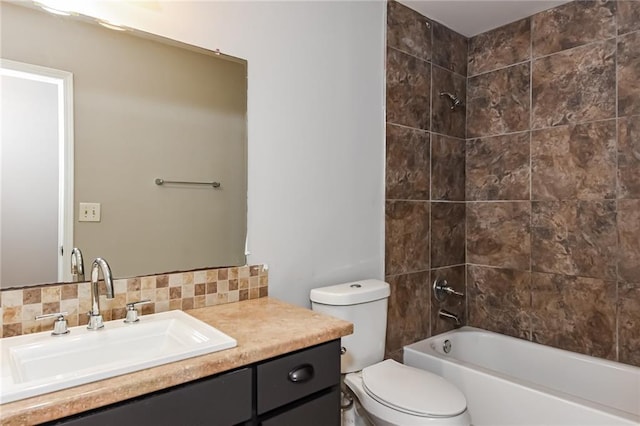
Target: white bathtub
x=509 y=381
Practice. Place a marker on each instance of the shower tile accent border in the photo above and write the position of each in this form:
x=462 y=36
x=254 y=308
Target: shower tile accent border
x=181 y=290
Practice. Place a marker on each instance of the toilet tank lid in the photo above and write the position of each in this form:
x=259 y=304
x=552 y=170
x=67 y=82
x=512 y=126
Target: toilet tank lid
x=351 y=293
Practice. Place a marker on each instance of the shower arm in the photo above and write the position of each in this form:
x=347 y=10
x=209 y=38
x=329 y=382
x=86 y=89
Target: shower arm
x=455 y=101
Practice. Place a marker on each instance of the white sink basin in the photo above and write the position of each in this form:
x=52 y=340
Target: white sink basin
x=39 y=363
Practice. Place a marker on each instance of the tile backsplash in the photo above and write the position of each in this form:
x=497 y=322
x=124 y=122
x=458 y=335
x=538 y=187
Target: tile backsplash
x=182 y=290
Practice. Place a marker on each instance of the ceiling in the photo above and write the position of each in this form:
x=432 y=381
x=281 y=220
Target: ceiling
x=472 y=17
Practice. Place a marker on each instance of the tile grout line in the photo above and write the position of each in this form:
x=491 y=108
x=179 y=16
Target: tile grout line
x=448 y=70
x=538 y=129
x=444 y=135
x=483 y=73
x=399 y=274
x=531 y=29
x=430 y=298
x=407 y=200
x=484 y=265
x=535 y=58
x=617 y=191
x=430 y=60
x=456 y=265
x=404 y=126
x=466 y=210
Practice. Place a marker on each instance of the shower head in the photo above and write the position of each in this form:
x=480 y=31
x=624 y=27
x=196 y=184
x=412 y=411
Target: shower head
x=455 y=101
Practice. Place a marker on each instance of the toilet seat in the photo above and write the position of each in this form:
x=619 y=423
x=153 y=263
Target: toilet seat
x=412 y=391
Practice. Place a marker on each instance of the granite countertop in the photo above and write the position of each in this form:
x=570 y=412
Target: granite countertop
x=263 y=328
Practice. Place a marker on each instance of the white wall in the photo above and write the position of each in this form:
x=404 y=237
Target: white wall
x=316 y=127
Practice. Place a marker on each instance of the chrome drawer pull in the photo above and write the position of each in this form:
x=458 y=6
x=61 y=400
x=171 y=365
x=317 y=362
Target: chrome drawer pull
x=302 y=373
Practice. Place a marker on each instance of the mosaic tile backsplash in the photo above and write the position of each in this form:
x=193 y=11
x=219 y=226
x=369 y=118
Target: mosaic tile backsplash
x=183 y=290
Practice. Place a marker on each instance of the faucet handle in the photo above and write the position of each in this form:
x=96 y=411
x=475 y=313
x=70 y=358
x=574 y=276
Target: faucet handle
x=60 y=325
x=132 y=311
x=441 y=289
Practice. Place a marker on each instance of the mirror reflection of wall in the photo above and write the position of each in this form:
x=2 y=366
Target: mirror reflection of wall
x=145 y=110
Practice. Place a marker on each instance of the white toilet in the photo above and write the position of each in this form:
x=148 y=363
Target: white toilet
x=391 y=393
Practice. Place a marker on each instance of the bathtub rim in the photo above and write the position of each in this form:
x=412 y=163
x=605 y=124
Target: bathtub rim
x=570 y=398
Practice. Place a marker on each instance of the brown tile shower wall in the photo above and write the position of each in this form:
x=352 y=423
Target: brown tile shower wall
x=182 y=290
x=553 y=179
x=425 y=180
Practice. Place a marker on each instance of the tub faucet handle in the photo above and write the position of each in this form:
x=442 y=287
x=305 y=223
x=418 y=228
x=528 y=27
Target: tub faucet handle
x=441 y=289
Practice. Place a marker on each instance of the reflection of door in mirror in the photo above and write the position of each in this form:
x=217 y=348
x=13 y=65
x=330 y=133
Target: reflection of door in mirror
x=37 y=148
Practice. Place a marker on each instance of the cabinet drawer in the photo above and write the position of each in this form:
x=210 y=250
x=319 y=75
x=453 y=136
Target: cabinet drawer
x=322 y=411
x=297 y=375
x=222 y=400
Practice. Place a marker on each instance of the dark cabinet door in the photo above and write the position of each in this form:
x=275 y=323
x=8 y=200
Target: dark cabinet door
x=321 y=411
x=296 y=389
x=222 y=400
x=294 y=376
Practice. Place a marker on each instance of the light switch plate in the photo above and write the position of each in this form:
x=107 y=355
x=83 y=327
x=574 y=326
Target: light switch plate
x=89 y=212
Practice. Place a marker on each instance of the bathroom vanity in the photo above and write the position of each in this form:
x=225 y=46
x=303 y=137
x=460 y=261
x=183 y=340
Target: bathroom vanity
x=285 y=370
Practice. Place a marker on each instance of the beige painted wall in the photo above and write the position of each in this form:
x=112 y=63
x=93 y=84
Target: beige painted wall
x=145 y=110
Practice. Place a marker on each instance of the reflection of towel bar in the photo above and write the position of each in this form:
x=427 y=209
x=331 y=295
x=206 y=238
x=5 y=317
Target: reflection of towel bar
x=160 y=181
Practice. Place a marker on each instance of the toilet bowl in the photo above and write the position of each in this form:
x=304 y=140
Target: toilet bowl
x=394 y=394
x=391 y=394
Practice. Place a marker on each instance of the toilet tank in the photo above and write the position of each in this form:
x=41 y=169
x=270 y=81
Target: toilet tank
x=363 y=303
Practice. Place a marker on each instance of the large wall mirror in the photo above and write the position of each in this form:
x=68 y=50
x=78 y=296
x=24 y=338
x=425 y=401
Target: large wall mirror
x=138 y=108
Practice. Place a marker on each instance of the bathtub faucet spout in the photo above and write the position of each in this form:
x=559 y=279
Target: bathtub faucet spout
x=443 y=313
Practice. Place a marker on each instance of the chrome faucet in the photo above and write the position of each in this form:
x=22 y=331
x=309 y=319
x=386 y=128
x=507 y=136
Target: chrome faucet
x=95 y=319
x=443 y=313
x=77 y=265
x=455 y=100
